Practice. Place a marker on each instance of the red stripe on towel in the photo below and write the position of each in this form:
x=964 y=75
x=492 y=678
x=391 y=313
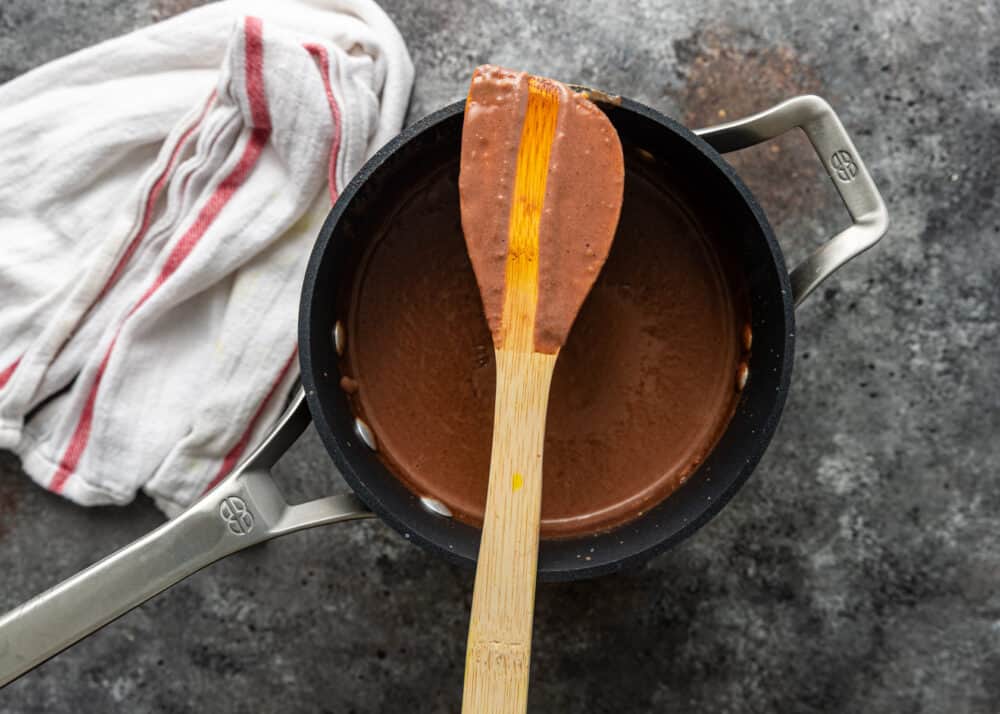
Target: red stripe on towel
x=319 y=54
x=254 y=53
x=8 y=372
x=223 y=193
x=151 y=199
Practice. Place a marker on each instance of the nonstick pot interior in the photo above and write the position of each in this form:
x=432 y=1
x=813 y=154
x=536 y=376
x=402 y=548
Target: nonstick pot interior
x=712 y=191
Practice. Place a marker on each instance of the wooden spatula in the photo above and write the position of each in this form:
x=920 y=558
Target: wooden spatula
x=541 y=189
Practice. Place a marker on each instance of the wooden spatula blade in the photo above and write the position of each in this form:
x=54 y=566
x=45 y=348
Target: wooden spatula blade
x=557 y=186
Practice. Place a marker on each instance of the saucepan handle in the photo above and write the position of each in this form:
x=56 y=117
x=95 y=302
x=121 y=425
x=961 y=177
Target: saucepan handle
x=244 y=509
x=842 y=162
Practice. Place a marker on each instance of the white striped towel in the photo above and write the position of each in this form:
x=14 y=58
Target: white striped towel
x=159 y=194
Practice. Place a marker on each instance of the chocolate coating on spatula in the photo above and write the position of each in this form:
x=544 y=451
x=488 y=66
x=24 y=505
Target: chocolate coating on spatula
x=579 y=212
x=494 y=113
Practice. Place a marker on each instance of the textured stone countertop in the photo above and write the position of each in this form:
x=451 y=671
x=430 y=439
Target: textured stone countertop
x=857 y=571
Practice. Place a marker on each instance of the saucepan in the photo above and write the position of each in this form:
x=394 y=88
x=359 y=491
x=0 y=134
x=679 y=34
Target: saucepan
x=248 y=507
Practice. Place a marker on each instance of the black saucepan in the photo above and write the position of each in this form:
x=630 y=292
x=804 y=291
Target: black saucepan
x=710 y=187
x=247 y=507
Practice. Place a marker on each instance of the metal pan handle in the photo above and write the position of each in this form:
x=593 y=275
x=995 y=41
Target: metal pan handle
x=246 y=508
x=842 y=162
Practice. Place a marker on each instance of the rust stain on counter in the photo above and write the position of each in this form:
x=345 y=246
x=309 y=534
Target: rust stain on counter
x=727 y=77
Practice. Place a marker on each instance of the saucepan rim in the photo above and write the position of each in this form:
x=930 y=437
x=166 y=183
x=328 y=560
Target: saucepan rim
x=310 y=334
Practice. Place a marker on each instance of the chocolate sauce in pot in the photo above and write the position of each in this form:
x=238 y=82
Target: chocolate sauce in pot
x=643 y=388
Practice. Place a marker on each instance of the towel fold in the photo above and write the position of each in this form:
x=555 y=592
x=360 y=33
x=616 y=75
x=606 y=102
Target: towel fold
x=159 y=195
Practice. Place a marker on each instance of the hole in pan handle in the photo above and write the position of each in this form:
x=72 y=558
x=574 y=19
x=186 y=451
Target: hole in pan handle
x=842 y=162
x=246 y=508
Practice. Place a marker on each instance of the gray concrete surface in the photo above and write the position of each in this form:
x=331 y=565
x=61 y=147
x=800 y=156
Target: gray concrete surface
x=858 y=571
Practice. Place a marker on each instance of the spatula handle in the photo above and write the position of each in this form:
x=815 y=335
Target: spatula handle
x=498 y=658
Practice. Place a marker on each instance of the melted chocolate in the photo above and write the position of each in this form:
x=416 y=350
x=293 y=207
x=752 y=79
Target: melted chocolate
x=582 y=196
x=643 y=388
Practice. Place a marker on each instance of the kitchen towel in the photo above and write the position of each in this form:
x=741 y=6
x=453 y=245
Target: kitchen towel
x=159 y=196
